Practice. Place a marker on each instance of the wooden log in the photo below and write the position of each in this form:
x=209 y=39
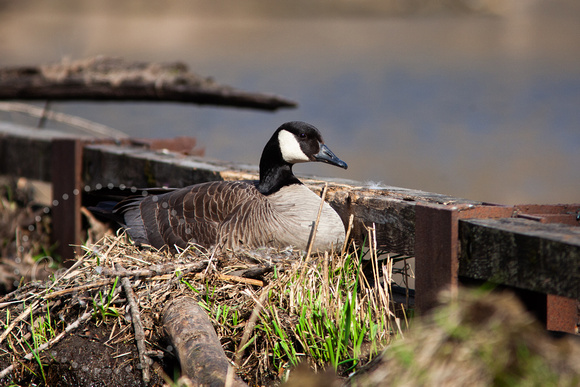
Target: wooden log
x=106 y=78
x=200 y=353
x=521 y=253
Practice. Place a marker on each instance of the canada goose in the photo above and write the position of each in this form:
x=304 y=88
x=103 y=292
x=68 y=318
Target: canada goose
x=277 y=210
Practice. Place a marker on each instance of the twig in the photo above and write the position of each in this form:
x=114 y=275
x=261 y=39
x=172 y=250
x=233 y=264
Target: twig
x=313 y=233
x=325 y=283
x=197 y=267
x=235 y=278
x=250 y=325
x=73 y=267
x=31 y=296
x=50 y=343
x=137 y=326
x=18 y=293
x=35 y=304
x=79 y=288
x=350 y=223
x=87 y=126
x=20 y=317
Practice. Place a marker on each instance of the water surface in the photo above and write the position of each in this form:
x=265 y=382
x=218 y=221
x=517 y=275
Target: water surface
x=483 y=107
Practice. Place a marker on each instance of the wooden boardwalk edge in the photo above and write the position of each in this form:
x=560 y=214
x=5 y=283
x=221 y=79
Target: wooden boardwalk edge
x=522 y=253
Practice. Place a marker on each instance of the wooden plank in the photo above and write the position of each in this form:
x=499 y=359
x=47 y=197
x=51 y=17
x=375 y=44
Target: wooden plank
x=26 y=154
x=105 y=165
x=522 y=253
x=391 y=209
x=393 y=218
x=550 y=213
x=66 y=192
x=435 y=254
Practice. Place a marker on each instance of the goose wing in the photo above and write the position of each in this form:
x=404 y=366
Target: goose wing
x=190 y=214
x=252 y=223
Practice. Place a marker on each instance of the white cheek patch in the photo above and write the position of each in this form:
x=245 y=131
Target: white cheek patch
x=291 y=151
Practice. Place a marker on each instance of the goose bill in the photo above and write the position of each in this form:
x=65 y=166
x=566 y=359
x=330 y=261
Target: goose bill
x=325 y=155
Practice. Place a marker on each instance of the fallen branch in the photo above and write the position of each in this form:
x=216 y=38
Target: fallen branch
x=144 y=360
x=249 y=329
x=86 y=126
x=200 y=353
x=107 y=78
x=184 y=269
x=79 y=288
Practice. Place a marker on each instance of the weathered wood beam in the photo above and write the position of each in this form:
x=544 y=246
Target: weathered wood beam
x=522 y=253
x=114 y=79
x=26 y=152
x=66 y=163
x=106 y=164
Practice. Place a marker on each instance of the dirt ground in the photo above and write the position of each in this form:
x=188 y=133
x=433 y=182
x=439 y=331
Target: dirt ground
x=85 y=359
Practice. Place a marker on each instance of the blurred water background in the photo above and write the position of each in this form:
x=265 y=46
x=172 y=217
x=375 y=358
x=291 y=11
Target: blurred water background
x=472 y=98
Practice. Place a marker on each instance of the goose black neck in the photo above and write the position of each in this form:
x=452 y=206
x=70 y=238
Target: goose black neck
x=275 y=173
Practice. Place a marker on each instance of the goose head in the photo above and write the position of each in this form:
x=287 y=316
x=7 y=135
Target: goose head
x=293 y=142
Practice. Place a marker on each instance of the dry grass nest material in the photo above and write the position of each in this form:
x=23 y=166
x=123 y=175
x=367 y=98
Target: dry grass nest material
x=279 y=288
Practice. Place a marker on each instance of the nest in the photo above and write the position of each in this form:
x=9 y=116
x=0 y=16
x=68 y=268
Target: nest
x=262 y=304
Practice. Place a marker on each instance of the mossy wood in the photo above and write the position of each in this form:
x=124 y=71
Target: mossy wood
x=522 y=253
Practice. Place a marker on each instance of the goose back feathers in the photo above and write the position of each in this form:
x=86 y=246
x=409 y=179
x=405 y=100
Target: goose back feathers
x=278 y=210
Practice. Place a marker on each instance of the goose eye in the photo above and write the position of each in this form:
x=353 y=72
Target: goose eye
x=302 y=135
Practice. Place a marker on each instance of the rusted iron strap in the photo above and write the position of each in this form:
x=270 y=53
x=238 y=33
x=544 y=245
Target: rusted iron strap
x=550 y=213
x=436 y=246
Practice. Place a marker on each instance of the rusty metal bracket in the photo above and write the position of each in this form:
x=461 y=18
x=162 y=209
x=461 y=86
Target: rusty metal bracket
x=436 y=246
x=437 y=250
